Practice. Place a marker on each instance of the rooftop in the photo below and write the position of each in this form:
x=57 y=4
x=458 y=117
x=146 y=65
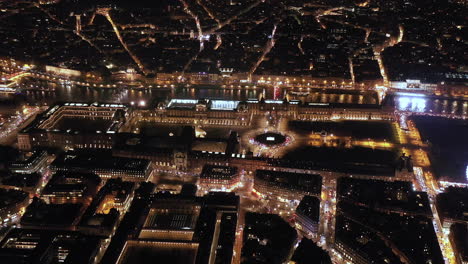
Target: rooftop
x=453 y=204
x=218 y=172
x=311 y=183
x=224 y=105
x=309 y=207
x=89 y=119
x=9 y=197
x=98 y=160
x=182 y=104
x=356 y=160
x=397 y=196
x=146 y=252
x=28 y=246
x=40 y=214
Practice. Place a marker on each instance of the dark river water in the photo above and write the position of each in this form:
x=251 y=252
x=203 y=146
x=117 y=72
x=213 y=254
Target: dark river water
x=71 y=93
x=84 y=94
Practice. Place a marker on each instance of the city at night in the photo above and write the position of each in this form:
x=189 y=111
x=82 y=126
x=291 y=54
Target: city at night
x=234 y=131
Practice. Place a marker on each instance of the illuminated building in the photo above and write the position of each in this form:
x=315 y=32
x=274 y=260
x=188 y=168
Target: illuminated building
x=41 y=215
x=459 y=239
x=13 y=202
x=199 y=112
x=307 y=215
x=166 y=78
x=171 y=218
x=204 y=78
x=30 y=183
x=62 y=71
x=48 y=246
x=264 y=232
x=452 y=207
x=82 y=125
x=102 y=215
x=349 y=253
x=414 y=86
x=217 y=228
x=71 y=187
x=182 y=229
x=116 y=194
x=357 y=244
x=221 y=178
x=287 y=185
x=31 y=164
x=74 y=125
x=172 y=251
x=104 y=165
x=326 y=111
x=177 y=148
x=167 y=150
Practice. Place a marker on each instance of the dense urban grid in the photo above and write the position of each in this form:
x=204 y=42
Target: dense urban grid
x=234 y=131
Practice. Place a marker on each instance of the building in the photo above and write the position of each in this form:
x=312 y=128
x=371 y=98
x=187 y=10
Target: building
x=30 y=183
x=102 y=215
x=217 y=227
x=48 y=247
x=115 y=194
x=179 y=228
x=414 y=86
x=41 y=215
x=168 y=149
x=12 y=204
x=308 y=215
x=328 y=111
x=71 y=187
x=459 y=240
x=286 y=186
x=307 y=251
x=357 y=244
x=261 y=245
x=74 y=126
x=171 y=218
x=199 y=112
x=385 y=196
x=69 y=73
x=452 y=207
x=384 y=222
x=176 y=148
x=30 y=164
x=103 y=164
x=218 y=178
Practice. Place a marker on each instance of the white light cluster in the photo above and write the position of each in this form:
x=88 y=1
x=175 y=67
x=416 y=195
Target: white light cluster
x=413 y=104
x=182 y=101
x=273 y=101
x=224 y=105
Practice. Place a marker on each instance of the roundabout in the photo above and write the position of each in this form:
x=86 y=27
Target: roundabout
x=270 y=139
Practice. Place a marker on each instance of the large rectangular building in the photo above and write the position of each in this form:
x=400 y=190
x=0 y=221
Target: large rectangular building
x=74 y=125
x=218 y=178
x=104 y=164
x=286 y=185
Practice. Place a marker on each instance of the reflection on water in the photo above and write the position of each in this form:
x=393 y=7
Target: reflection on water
x=51 y=93
x=412 y=104
x=431 y=105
